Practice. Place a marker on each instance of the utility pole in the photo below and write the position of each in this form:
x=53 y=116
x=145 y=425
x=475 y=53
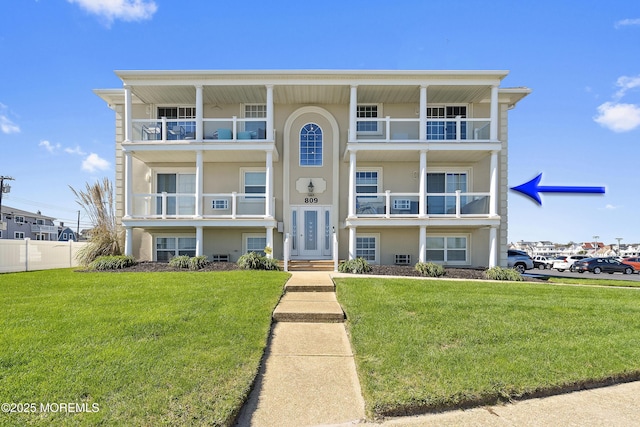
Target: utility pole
x=78 y=229
x=4 y=189
x=618 y=239
x=595 y=245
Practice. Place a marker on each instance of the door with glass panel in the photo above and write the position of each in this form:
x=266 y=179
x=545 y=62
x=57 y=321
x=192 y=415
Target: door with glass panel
x=446 y=183
x=180 y=197
x=311 y=232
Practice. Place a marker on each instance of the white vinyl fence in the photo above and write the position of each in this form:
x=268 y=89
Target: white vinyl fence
x=28 y=255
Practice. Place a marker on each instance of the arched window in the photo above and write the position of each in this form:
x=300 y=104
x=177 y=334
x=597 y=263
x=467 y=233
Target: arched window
x=311 y=145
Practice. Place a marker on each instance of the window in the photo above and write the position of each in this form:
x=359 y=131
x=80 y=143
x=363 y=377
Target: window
x=64 y=236
x=18 y=235
x=441 y=182
x=180 y=121
x=255 y=243
x=366 y=182
x=40 y=221
x=311 y=145
x=445 y=129
x=19 y=219
x=256 y=111
x=255 y=182
x=220 y=204
x=402 y=204
x=365 y=111
x=447 y=249
x=169 y=247
x=367 y=247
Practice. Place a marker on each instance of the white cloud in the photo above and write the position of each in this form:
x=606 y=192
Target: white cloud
x=618 y=117
x=76 y=150
x=94 y=163
x=626 y=23
x=6 y=125
x=49 y=146
x=626 y=83
x=611 y=207
x=126 y=10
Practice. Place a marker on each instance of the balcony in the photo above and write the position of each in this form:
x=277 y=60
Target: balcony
x=183 y=206
x=37 y=228
x=406 y=205
x=215 y=129
x=437 y=130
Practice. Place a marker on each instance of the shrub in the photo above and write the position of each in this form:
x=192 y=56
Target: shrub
x=354 y=266
x=112 y=262
x=254 y=261
x=198 y=262
x=430 y=269
x=499 y=273
x=180 y=261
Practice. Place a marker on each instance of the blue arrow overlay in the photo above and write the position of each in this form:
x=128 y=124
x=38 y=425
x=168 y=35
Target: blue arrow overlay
x=533 y=188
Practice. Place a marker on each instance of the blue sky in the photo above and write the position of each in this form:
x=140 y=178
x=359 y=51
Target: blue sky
x=580 y=126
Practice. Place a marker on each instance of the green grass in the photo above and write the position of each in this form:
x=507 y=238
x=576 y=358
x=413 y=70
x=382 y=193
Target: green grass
x=148 y=348
x=594 y=281
x=426 y=345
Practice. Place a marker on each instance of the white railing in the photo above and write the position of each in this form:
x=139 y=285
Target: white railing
x=38 y=228
x=335 y=251
x=223 y=129
x=215 y=205
x=408 y=130
x=394 y=205
x=287 y=251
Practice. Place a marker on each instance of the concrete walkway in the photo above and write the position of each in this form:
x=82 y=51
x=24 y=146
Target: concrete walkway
x=309 y=376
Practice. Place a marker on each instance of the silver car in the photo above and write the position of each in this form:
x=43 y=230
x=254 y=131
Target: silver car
x=519 y=260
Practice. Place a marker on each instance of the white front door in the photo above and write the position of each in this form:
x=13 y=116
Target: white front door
x=311 y=234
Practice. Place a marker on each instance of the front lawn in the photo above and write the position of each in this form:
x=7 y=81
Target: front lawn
x=427 y=345
x=145 y=348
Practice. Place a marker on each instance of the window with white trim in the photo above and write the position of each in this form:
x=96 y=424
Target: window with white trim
x=255 y=243
x=220 y=204
x=447 y=249
x=311 y=145
x=180 y=121
x=18 y=234
x=168 y=247
x=366 y=111
x=255 y=182
x=367 y=247
x=19 y=219
x=445 y=129
x=366 y=181
x=449 y=183
x=258 y=128
x=40 y=221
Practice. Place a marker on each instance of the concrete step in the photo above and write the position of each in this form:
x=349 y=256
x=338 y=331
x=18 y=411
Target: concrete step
x=309 y=307
x=309 y=265
x=310 y=282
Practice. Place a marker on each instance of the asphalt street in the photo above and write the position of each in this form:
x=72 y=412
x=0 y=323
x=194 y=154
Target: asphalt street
x=555 y=273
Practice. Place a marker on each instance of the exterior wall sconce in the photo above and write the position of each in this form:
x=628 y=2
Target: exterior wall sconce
x=310 y=188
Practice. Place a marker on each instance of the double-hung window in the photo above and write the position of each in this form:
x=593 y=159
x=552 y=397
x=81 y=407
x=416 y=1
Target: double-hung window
x=368 y=111
x=367 y=247
x=447 y=249
x=171 y=246
x=255 y=182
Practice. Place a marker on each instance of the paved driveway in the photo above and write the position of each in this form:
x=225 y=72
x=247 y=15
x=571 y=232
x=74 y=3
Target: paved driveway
x=615 y=276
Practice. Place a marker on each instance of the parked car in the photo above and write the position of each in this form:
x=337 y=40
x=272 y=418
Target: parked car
x=599 y=265
x=633 y=262
x=519 y=260
x=542 y=262
x=567 y=263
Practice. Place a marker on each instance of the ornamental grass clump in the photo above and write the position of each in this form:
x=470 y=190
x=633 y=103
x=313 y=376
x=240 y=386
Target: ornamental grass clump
x=354 y=266
x=255 y=261
x=191 y=263
x=430 y=269
x=112 y=262
x=180 y=261
x=499 y=273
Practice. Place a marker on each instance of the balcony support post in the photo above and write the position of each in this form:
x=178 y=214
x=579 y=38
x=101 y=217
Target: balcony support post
x=493 y=130
x=493 y=247
x=199 y=241
x=423 y=114
x=128 y=115
x=199 y=181
x=234 y=204
x=165 y=131
x=422 y=244
x=458 y=203
x=493 y=184
x=352 y=243
x=269 y=241
x=387 y=209
x=352 y=185
x=164 y=205
x=128 y=241
x=422 y=196
x=128 y=183
x=270 y=125
x=353 y=114
x=269 y=184
x=199 y=114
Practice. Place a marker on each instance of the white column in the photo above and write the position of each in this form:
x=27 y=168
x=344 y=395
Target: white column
x=269 y=239
x=128 y=126
x=422 y=244
x=199 y=241
x=493 y=247
x=128 y=241
x=268 y=209
x=352 y=243
x=493 y=184
x=270 y=125
x=352 y=185
x=422 y=197
x=128 y=183
x=199 y=183
x=199 y=114
x=423 y=113
x=353 y=113
x=493 y=133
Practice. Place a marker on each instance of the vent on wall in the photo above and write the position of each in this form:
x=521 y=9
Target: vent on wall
x=403 y=259
x=220 y=258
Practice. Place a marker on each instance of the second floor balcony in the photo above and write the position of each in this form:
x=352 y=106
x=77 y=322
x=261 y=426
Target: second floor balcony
x=214 y=130
x=397 y=205
x=390 y=129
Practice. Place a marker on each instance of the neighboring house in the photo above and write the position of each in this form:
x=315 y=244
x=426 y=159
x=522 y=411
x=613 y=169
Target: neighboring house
x=66 y=234
x=392 y=166
x=23 y=224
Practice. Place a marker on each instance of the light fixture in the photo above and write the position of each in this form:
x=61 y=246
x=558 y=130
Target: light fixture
x=310 y=187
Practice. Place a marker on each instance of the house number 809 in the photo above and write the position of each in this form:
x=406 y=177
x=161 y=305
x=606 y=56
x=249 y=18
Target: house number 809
x=311 y=200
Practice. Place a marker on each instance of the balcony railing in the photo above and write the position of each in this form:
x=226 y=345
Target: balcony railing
x=223 y=129
x=394 y=205
x=183 y=206
x=408 y=130
x=37 y=228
